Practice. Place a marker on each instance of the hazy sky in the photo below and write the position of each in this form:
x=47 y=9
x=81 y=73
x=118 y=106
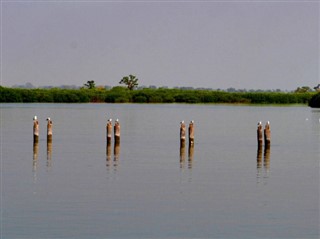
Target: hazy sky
x=216 y=44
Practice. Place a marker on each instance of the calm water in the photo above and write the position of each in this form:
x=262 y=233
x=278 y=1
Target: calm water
x=147 y=188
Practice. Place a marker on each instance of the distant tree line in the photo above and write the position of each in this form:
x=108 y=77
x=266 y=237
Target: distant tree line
x=131 y=83
x=121 y=94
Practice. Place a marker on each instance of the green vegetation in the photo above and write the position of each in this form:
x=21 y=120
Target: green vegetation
x=315 y=101
x=147 y=95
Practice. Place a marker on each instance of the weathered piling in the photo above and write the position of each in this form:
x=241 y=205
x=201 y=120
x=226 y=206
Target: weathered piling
x=109 y=131
x=191 y=133
x=267 y=135
x=49 y=130
x=117 y=132
x=35 y=129
x=260 y=134
x=182 y=134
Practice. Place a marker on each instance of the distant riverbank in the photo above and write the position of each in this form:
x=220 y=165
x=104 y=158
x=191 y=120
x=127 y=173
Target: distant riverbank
x=147 y=95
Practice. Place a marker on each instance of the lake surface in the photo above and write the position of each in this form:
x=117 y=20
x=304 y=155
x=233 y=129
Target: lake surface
x=223 y=187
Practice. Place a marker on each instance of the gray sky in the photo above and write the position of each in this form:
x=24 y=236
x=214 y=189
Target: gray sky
x=217 y=44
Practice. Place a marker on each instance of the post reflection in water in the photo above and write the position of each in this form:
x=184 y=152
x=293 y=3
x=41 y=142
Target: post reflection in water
x=259 y=156
x=190 y=155
x=116 y=154
x=35 y=158
x=183 y=155
x=49 y=154
x=266 y=155
x=108 y=149
x=266 y=162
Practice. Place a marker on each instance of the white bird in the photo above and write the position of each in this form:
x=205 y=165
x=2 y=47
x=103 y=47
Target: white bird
x=35 y=117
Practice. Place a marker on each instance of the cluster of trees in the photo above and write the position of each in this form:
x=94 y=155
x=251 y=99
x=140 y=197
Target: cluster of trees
x=121 y=94
x=130 y=81
x=304 y=89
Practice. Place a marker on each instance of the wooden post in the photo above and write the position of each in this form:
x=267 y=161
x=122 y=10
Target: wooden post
x=267 y=135
x=35 y=130
x=117 y=132
x=49 y=130
x=191 y=133
x=182 y=134
x=259 y=134
x=109 y=131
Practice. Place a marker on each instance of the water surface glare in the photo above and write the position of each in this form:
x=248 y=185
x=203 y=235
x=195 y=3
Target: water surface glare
x=147 y=187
